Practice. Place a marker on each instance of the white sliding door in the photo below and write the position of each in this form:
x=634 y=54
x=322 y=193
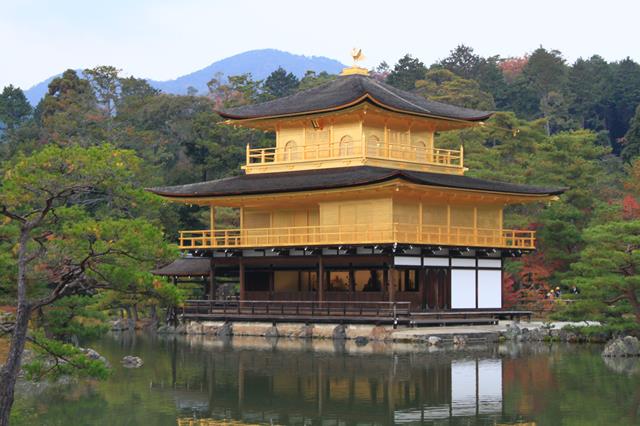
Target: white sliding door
x=489 y=289
x=463 y=288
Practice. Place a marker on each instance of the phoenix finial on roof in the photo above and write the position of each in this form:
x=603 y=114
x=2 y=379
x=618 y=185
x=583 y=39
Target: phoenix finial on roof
x=357 y=55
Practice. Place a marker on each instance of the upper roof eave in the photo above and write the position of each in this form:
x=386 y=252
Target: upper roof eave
x=366 y=98
x=346 y=91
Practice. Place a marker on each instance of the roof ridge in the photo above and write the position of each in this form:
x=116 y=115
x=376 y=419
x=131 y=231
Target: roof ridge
x=395 y=95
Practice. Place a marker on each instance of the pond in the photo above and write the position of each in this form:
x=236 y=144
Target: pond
x=256 y=380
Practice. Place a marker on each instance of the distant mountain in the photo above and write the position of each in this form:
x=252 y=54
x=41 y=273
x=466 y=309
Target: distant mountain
x=260 y=63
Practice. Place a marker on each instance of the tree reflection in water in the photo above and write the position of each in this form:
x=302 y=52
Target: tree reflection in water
x=256 y=380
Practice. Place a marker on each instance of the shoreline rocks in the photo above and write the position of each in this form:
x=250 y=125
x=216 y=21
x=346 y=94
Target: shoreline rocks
x=458 y=337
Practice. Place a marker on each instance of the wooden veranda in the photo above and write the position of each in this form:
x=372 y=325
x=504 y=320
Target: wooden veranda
x=351 y=312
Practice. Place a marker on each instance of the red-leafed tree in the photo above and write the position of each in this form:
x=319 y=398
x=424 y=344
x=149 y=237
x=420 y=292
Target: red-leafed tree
x=512 y=67
x=630 y=208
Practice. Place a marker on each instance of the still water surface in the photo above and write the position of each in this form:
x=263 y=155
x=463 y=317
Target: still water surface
x=256 y=380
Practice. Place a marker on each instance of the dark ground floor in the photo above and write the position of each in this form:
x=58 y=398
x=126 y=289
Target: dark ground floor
x=446 y=281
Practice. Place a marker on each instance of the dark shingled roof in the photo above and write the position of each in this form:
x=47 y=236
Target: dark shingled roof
x=347 y=90
x=342 y=177
x=184 y=267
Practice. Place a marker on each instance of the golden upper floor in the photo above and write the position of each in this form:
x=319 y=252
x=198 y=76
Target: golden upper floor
x=365 y=135
x=353 y=121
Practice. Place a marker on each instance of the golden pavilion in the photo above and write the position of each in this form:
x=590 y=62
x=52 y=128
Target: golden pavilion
x=356 y=203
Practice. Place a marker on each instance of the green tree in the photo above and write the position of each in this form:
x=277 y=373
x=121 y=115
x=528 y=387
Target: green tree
x=279 y=83
x=522 y=98
x=105 y=81
x=134 y=92
x=72 y=317
x=239 y=90
x=216 y=150
x=624 y=97
x=67 y=212
x=631 y=148
x=546 y=71
x=589 y=82
x=444 y=86
x=608 y=272
x=14 y=107
x=312 y=79
x=406 y=72
x=492 y=81
x=69 y=112
x=463 y=62
x=556 y=111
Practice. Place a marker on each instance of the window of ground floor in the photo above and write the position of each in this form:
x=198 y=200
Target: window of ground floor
x=355 y=280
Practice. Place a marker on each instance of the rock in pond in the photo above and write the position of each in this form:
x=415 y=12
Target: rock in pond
x=434 y=341
x=459 y=340
x=93 y=354
x=361 y=341
x=622 y=347
x=122 y=325
x=131 y=361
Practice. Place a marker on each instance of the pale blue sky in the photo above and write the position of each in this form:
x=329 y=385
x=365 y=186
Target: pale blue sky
x=163 y=39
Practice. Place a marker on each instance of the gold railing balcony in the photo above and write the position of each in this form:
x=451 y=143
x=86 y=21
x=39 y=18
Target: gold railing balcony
x=322 y=235
x=411 y=156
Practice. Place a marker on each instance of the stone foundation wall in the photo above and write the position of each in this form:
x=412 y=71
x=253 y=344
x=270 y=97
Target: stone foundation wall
x=288 y=330
x=362 y=334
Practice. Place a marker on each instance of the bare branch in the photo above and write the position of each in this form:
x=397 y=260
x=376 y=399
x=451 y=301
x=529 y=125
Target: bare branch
x=4 y=211
x=616 y=299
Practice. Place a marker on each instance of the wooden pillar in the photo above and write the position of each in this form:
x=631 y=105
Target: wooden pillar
x=449 y=238
x=393 y=282
x=475 y=225
x=420 y=221
x=241 y=275
x=352 y=279
x=272 y=282
x=212 y=224
x=430 y=147
x=212 y=291
x=385 y=281
x=320 y=279
x=422 y=287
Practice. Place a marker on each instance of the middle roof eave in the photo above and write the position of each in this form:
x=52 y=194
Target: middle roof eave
x=344 y=177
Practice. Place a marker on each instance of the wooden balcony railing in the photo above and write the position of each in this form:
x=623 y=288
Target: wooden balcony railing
x=357 y=234
x=356 y=149
x=295 y=308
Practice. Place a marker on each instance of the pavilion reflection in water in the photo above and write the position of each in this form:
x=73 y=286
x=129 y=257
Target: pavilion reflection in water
x=314 y=387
